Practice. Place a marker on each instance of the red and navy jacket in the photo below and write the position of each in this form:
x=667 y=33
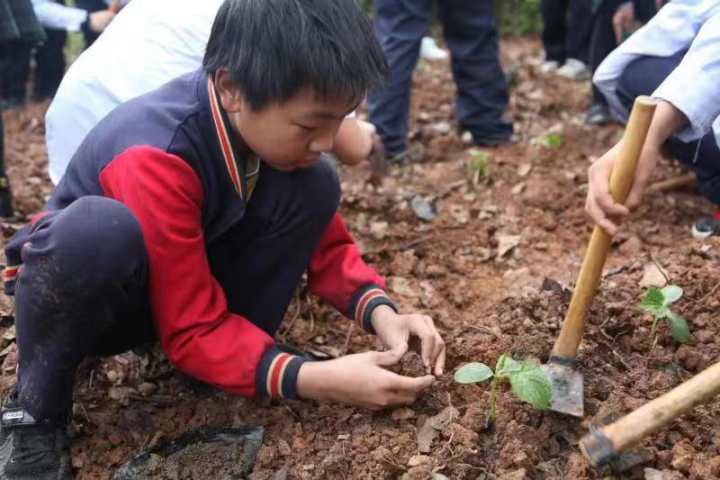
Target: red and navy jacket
x=169 y=157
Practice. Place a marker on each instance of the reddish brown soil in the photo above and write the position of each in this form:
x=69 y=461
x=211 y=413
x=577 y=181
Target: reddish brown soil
x=484 y=306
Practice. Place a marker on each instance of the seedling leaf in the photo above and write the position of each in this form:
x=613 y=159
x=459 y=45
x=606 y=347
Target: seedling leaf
x=552 y=141
x=671 y=294
x=506 y=366
x=532 y=385
x=473 y=373
x=679 y=327
x=653 y=302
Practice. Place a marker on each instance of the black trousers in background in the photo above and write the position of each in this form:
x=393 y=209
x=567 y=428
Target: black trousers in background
x=602 y=40
x=14 y=70
x=641 y=77
x=567 y=29
x=471 y=35
x=50 y=64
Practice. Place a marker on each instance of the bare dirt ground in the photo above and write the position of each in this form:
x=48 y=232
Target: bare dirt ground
x=494 y=269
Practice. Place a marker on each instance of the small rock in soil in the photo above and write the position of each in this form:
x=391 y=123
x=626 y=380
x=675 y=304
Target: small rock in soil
x=401 y=286
x=146 y=389
x=683 y=456
x=416 y=460
x=653 y=474
x=653 y=276
x=631 y=246
x=461 y=435
x=403 y=414
x=475 y=417
x=432 y=427
x=378 y=230
x=520 y=474
x=506 y=243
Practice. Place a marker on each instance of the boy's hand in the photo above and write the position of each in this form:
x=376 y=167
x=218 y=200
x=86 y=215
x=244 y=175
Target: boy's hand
x=361 y=380
x=395 y=331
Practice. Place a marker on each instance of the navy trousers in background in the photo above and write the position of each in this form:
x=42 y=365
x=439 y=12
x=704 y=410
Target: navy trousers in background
x=641 y=77
x=83 y=286
x=602 y=40
x=471 y=35
x=567 y=25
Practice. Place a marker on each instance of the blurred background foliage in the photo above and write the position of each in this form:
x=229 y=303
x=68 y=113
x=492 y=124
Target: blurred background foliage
x=514 y=17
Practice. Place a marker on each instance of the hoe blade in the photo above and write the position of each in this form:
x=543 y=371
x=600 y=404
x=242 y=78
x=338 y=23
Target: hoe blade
x=567 y=386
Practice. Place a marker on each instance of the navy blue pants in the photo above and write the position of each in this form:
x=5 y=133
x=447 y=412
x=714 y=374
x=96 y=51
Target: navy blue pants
x=567 y=25
x=602 y=40
x=83 y=287
x=642 y=77
x=471 y=35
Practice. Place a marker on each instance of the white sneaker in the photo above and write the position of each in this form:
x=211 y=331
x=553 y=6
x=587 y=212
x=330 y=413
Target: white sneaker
x=429 y=50
x=574 y=69
x=549 y=66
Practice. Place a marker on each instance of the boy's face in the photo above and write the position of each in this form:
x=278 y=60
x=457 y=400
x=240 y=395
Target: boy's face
x=286 y=135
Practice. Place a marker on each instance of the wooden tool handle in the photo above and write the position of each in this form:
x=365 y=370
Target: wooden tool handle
x=601 y=446
x=621 y=181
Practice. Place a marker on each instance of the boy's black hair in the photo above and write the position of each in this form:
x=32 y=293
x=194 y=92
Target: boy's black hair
x=274 y=48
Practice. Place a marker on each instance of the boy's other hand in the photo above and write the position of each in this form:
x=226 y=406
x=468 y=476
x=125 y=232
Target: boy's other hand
x=599 y=205
x=395 y=330
x=361 y=380
x=100 y=20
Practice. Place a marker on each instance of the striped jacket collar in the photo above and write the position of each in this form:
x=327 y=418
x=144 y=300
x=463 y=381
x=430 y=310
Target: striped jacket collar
x=242 y=169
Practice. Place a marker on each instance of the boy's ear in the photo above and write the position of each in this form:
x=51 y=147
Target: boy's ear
x=231 y=96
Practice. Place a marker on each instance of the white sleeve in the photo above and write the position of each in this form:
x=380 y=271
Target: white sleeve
x=54 y=15
x=694 y=86
x=671 y=30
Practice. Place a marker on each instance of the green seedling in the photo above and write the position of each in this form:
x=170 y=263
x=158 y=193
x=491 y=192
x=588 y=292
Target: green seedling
x=552 y=141
x=527 y=381
x=657 y=302
x=478 y=167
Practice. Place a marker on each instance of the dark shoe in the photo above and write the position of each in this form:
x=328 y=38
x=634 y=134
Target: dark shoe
x=6 y=208
x=598 y=115
x=707 y=227
x=32 y=450
x=499 y=135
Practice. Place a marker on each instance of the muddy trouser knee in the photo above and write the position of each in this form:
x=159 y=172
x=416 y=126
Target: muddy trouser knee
x=80 y=290
x=641 y=77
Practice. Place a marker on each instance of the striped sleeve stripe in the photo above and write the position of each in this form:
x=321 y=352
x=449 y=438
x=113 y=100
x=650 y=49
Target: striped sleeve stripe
x=363 y=302
x=277 y=374
x=10 y=273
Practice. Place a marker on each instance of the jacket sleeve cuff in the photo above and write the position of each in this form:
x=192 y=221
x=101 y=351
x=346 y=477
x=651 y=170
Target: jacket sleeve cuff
x=364 y=301
x=277 y=374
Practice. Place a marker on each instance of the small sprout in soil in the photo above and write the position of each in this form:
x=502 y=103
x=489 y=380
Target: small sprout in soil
x=657 y=302
x=478 y=167
x=527 y=381
x=552 y=141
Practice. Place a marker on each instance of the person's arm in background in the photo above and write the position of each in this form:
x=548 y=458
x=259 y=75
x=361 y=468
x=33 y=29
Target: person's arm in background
x=671 y=30
x=354 y=140
x=54 y=15
x=90 y=6
x=688 y=106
